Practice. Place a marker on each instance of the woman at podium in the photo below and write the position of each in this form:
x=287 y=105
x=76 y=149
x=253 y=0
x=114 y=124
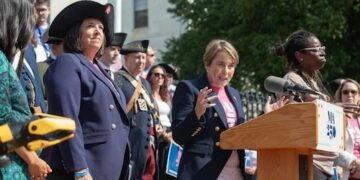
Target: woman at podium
x=202 y=109
x=304 y=57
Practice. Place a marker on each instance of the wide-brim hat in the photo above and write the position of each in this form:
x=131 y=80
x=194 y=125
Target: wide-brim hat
x=118 y=39
x=80 y=10
x=134 y=47
x=169 y=69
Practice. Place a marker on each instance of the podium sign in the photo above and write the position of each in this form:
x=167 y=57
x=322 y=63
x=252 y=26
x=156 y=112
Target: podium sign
x=330 y=127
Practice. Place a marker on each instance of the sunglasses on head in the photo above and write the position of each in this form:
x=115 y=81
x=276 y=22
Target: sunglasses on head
x=159 y=75
x=346 y=92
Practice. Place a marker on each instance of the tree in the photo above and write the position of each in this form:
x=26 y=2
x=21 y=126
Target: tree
x=256 y=26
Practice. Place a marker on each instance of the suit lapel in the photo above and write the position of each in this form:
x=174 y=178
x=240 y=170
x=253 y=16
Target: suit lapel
x=203 y=82
x=100 y=76
x=221 y=112
x=236 y=101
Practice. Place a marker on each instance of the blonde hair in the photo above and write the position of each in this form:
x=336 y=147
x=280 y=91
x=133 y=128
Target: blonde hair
x=216 y=46
x=338 y=94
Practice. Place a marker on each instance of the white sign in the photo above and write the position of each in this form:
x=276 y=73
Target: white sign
x=330 y=127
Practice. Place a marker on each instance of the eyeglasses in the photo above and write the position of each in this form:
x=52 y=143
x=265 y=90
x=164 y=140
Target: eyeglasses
x=158 y=75
x=314 y=49
x=346 y=92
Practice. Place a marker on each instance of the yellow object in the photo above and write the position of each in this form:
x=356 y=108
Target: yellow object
x=5 y=133
x=49 y=130
x=38 y=132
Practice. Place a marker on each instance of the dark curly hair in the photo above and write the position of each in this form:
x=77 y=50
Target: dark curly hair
x=296 y=41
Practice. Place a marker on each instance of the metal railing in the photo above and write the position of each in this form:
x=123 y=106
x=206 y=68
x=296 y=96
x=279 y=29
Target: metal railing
x=253 y=103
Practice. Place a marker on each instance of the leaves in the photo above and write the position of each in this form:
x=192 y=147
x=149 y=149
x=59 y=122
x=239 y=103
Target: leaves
x=255 y=26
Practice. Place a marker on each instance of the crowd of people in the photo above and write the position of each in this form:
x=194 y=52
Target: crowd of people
x=128 y=111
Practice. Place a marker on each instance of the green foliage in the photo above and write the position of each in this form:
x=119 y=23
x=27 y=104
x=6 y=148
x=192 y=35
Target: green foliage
x=256 y=26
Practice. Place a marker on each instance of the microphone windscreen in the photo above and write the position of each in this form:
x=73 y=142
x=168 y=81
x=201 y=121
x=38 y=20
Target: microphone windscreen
x=274 y=84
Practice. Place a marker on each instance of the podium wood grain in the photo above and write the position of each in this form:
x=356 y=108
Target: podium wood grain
x=293 y=126
x=279 y=138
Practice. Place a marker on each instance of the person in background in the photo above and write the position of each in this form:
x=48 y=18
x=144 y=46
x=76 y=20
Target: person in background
x=43 y=12
x=112 y=53
x=158 y=81
x=140 y=110
x=31 y=81
x=17 y=25
x=56 y=49
x=305 y=56
x=202 y=109
x=150 y=60
x=78 y=88
x=171 y=75
x=348 y=97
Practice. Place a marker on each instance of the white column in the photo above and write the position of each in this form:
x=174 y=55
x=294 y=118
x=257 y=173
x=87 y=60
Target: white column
x=118 y=15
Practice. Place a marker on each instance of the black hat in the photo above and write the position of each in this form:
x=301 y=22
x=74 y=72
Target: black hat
x=118 y=39
x=135 y=46
x=169 y=69
x=80 y=10
x=48 y=38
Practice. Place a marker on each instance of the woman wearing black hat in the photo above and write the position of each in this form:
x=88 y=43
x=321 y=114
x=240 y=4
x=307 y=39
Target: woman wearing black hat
x=16 y=26
x=78 y=88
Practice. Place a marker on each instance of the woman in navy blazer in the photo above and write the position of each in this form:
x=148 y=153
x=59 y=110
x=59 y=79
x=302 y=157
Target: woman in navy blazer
x=202 y=109
x=78 y=88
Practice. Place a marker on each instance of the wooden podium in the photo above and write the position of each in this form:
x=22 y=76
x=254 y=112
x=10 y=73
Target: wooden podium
x=282 y=135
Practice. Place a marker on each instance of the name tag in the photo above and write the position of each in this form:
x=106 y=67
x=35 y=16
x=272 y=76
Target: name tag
x=142 y=105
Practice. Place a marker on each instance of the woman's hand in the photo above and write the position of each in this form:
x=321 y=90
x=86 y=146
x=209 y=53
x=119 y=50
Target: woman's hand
x=203 y=102
x=38 y=168
x=159 y=129
x=278 y=104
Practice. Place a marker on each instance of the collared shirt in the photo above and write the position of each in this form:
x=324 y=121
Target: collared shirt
x=107 y=69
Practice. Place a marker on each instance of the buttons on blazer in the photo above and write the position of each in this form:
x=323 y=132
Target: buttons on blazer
x=146 y=146
x=217 y=128
x=113 y=126
x=111 y=107
x=216 y=115
x=217 y=144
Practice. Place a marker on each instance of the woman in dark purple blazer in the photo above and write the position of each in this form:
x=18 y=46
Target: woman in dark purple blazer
x=78 y=88
x=202 y=109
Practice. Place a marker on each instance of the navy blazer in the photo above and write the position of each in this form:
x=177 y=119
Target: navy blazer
x=30 y=74
x=202 y=157
x=77 y=89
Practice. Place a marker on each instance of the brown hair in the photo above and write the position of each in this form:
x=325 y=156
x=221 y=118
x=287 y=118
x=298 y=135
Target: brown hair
x=216 y=46
x=164 y=93
x=72 y=41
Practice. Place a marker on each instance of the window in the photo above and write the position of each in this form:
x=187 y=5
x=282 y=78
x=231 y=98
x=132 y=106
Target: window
x=141 y=13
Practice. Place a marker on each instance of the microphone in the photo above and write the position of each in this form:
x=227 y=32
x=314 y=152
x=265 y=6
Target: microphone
x=280 y=85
